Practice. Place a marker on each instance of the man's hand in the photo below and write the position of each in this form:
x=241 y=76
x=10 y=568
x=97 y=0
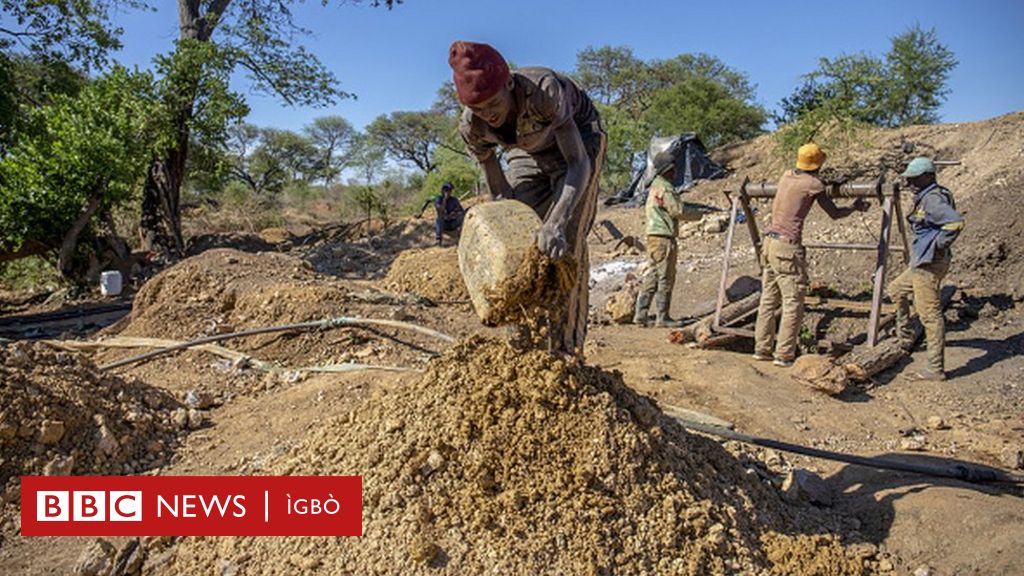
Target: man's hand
x=861 y=205
x=551 y=240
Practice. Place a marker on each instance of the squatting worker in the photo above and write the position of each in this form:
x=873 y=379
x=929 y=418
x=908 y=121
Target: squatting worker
x=783 y=259
x=553 y=147
x=935 y=224
x=663 y=211
x=448 y=209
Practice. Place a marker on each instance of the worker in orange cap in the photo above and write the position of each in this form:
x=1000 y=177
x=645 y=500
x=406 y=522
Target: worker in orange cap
x=553 y=146
x=783 y=260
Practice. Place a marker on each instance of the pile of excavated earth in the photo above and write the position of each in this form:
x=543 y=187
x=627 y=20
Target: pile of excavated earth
x=430 y=272
x=59 y=415
x=501 y=460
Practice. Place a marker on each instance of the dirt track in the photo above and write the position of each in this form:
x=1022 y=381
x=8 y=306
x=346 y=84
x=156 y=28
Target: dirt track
x=890 y=522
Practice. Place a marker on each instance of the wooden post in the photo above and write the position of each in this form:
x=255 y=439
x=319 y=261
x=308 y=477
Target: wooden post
x=748 y=213
x=879 y=288
x=725 y=263
x=901 y=225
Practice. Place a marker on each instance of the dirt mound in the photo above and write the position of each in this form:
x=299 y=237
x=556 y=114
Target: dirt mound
x=222 y=290
x=366 y=253
x=501 y=460
x=430 y=272
x=59 y=415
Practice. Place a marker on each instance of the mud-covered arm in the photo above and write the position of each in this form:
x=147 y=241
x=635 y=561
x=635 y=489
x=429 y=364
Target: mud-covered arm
x=497 y=184
x=551 y=237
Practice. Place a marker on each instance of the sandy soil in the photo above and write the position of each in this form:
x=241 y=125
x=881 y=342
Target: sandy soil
x=255 y=421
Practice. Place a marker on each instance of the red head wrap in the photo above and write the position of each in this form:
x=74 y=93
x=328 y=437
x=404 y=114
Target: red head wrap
x=479 y=71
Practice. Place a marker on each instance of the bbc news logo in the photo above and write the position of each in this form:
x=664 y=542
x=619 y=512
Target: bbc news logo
x=89 y=506
x=191 y=506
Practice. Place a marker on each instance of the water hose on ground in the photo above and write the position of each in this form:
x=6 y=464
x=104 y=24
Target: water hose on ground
x=337 y=322
x=959 y=471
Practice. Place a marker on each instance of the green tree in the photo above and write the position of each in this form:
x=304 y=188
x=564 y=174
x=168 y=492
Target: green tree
x=906 y=87
x=412 y=137
x=257 y=37
x=638 y=99
x=29 y=81
x=918 y=69
x=82 y=156
x=366 y=157
x=704 y=106
x=72 y=31
x=332 y=135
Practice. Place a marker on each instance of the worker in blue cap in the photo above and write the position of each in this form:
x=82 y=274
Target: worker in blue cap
x=449 y=212
x=935 y=224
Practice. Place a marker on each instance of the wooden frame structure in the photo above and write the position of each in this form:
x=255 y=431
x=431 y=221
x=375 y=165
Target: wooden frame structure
x=888 y=195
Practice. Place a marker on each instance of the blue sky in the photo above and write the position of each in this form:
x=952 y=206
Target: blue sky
x=395 y=60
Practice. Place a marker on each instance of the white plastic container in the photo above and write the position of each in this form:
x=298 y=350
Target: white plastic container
x=110 y=283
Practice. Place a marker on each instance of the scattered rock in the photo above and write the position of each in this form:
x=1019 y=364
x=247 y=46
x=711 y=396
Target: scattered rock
x=714 y=223
x=937 y=423
x=106 y=443
x=96 y=559
x=180 y=417
x=914 y=443
x=622 y=305
x=1012 y=457
x=59 y=466
x=200 y=400
x=923 y=570
x=820 y=373
x=988 y=311
x=862 y=550
x=803 y=486
x=51 y=431
x=195 y=419
x=130 y=558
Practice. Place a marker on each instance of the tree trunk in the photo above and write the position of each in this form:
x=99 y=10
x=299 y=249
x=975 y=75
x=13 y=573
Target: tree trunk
x=160 y=223
x=67 y=246
x=700 y=332
x=28 y=248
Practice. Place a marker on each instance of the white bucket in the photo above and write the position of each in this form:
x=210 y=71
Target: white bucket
x=110 y=283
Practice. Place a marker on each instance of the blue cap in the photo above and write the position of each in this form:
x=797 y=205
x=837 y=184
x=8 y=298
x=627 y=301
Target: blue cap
x=918 y=166
x=447 y=186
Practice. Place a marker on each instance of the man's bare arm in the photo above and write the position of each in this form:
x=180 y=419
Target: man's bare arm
x=551 y=237
x=835 y=212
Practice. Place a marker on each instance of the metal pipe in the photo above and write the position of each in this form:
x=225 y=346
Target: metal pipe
x=844 y=190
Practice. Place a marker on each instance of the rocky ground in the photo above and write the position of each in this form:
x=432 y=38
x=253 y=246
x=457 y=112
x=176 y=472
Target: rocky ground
x=754 y=511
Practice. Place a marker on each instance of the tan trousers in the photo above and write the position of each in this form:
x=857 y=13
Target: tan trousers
x=783 y=283
x=924 y=284
x=660 y=276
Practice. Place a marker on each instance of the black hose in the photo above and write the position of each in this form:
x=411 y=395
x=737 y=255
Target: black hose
x=960 y=471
